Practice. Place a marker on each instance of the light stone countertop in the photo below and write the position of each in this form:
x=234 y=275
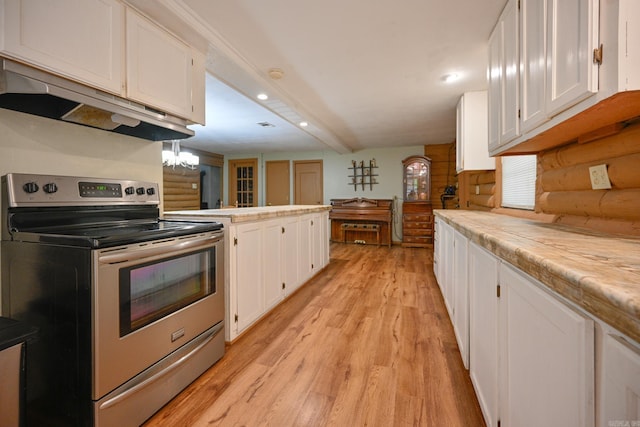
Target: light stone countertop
x=247 y=214
x=599 y=272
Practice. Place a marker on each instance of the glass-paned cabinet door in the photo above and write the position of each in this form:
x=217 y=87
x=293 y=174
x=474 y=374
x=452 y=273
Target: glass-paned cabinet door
x=417 y=179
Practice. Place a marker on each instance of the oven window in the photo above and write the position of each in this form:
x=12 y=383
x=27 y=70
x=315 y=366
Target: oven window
x=151 y=291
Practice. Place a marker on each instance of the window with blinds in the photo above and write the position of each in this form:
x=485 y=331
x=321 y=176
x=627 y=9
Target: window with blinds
x=519 y=182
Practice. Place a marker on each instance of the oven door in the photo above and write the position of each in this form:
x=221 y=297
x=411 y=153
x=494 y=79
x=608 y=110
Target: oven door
x=150 y=299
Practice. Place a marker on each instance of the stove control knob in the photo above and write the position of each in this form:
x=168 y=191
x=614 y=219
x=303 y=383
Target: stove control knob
x=30 y=187
x=140 y=191
x=50 y=188
x=151 y=191
x=129 y=191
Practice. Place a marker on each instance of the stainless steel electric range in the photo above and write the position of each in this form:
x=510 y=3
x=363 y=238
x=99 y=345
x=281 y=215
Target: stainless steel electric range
x=129 y=307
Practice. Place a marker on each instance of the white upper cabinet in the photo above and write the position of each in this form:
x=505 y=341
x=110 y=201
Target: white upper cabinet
x=504 y=78
x=509 y=121
x=494 y=75
x=572 y=35
x=533 y=72
x=561 y=71
x=198 y=88
x=80 y=40
x=108 y=46
x=159 y=67
x=472 y=152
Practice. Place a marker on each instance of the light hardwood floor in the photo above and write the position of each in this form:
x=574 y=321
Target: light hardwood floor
x=367 y=342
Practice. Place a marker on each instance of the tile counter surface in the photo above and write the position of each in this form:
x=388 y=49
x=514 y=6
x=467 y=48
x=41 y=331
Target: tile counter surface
x=597 y=271
x=248 y=214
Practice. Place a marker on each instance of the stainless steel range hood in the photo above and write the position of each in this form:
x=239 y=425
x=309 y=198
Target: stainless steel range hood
x=32 y=91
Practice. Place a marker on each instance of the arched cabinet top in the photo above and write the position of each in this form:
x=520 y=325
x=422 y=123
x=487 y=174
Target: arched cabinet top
x=416 y=179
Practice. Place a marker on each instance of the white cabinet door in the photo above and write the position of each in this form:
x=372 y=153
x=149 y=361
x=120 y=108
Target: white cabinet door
x=198 y=88
x=446 y=287
x=272 y=250
x=483 y=321
x=509 y=120
x=305 y=255
x=247 y=265
x=81 y=40
x=494 y=76
x=533 y=52
x=290 y=253
x=472 y=150
x=547 y=365
x=159 y=67
x=326 y=238
x=572 y=34
x=317 y=243
x=460 y=282
x=619 y=385
x=437 y=249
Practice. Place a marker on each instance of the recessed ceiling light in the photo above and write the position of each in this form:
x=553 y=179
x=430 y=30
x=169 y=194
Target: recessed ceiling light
x=263 y=96
x=451 y=77
x=304 y=124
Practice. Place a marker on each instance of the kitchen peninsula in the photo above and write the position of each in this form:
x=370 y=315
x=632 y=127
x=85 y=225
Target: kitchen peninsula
x=269 y=253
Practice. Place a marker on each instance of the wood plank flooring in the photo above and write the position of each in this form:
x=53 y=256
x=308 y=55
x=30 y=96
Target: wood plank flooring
x=367 y=342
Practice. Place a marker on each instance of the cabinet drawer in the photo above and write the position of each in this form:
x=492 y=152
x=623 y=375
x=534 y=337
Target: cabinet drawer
x=417 y=232
x=414 y=224
x=417 y=239
x=417 y=217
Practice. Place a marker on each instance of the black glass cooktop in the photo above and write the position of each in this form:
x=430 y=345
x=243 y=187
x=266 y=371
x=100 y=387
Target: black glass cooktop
x=114 y=234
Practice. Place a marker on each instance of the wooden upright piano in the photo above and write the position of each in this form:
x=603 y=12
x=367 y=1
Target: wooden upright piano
x=361 y=220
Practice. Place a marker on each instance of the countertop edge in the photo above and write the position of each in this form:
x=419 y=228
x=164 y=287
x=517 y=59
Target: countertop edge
x=238 y=215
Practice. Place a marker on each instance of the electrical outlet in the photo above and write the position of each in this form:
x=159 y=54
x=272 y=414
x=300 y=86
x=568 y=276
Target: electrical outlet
x=599 y=177
x=194 y=186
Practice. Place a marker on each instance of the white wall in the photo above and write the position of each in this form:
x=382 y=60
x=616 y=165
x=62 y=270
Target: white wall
x=336 y=184
x=335 y=171
x=30 y=144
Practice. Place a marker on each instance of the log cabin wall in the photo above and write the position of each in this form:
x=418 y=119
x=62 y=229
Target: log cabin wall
x=478 y=190
x=565 y=187
x=179 y=192
x=443 y=172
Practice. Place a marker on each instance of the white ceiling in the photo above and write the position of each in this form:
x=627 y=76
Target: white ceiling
x=363 y=73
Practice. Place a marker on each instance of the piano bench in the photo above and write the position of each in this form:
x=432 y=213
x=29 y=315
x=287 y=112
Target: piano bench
x=360 y=227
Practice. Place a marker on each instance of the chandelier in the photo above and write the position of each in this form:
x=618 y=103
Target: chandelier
x=175 y=158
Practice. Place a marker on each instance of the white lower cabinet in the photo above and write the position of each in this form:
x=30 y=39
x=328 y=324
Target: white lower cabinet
x=483 y=331
x=547 y=359
x=269 y=260
x=531 y=353
x=290 y=244
x=619 y=380
x=272 y=251
x=247 y=265
x=460 y=291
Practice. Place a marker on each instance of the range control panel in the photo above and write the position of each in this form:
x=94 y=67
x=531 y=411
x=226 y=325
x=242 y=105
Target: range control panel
x=56 y=190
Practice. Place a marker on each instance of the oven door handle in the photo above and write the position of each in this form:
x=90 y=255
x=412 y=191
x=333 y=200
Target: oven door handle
x=132 y=254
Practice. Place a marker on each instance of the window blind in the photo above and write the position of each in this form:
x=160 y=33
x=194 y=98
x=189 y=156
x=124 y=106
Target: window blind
x=519 y=182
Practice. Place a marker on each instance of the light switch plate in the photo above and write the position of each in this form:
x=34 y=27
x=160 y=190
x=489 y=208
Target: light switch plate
x=599 y=177
x=477 y=189
x=194 y=186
